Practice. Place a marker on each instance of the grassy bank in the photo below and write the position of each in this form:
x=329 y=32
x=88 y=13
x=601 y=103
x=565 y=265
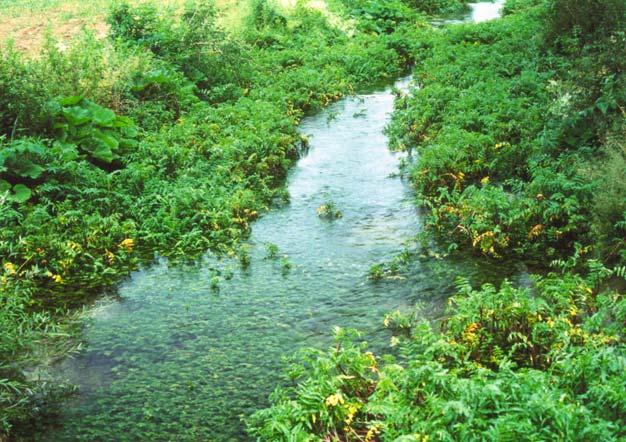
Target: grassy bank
x=165 y=135
x=517 y=134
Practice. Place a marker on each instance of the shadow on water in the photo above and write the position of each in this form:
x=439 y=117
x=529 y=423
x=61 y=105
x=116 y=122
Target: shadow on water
x=188 y=350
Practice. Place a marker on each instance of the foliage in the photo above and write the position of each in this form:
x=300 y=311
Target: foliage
x=192 y=43
x=94 y=129
x=609 y=204
x=517 y=127
x=505 y=129
x=329 y=210
x=507 y=364
x=588 y=19
x=18 y=163
x=383 y=17
x=167 y=138
x=437 y=6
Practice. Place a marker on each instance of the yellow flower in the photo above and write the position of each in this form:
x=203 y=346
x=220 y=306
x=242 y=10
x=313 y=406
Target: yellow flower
x=334 y=399
x=109 y=256
x=352 y=409
x=57 y=278
x=535 y=231
x=128 y=244
x=372 y=432
x=10 y=268
x=484 y=181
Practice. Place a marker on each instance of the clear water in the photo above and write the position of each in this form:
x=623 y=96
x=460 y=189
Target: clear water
x=485 y=11
x=478 y=13
x=174 y=359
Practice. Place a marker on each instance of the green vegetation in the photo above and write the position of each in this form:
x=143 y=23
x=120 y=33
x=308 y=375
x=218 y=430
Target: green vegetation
x=517 y=128
x=506 y=365
x=171 y=135
x=167 y=138
x=329 y=210
x=513 y=126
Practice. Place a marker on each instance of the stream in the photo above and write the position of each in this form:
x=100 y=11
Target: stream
x=173 y=357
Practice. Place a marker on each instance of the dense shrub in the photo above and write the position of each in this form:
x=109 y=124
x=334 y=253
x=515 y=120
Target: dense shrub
x=505 y=128
x=506 y=364
x=587 y=19
x=437 y=6
x=609 y=204
x=191 y=43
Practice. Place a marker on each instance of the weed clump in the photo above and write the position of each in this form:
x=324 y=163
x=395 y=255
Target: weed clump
x=329 y=211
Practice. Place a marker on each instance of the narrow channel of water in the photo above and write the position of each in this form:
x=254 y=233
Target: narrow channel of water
x=175 y=359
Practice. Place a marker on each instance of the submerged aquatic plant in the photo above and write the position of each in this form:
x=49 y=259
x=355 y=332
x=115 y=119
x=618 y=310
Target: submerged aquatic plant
x=329 y=211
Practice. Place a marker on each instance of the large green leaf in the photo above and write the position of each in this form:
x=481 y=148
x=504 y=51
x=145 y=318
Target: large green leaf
x=30 y=170
x=21 y=193
x=71 y=100
x=103 y=152
x=76 y=115
x=65 y=151
x=101 y=115
x=107 y=139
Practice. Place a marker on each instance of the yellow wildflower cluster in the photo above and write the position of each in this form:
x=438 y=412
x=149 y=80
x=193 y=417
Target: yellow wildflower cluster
x=9 y=267
x=128 y=244
x=73 y=246
x=499 y=146
x=109 y=256
x=334 y=399
x=372 y=360
x=469 y=334
x=352 y=409
x=372 y=432
x=55 y=277
x=535 y=231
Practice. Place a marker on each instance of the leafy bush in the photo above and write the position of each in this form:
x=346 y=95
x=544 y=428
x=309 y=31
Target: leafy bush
x=94 y=129
x=22 y=100
x=609 y=204
x=383 y=17
x=191 y=43
x=587 y=19
x=437 y=6
x=506 y=364
x=503 y=138
x=18 y=165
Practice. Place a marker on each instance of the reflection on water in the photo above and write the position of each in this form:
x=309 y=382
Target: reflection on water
x=178 y=359
x=485 y=11
x=477 y=13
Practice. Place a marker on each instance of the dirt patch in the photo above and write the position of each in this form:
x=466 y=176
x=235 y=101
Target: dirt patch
x=28 y=33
